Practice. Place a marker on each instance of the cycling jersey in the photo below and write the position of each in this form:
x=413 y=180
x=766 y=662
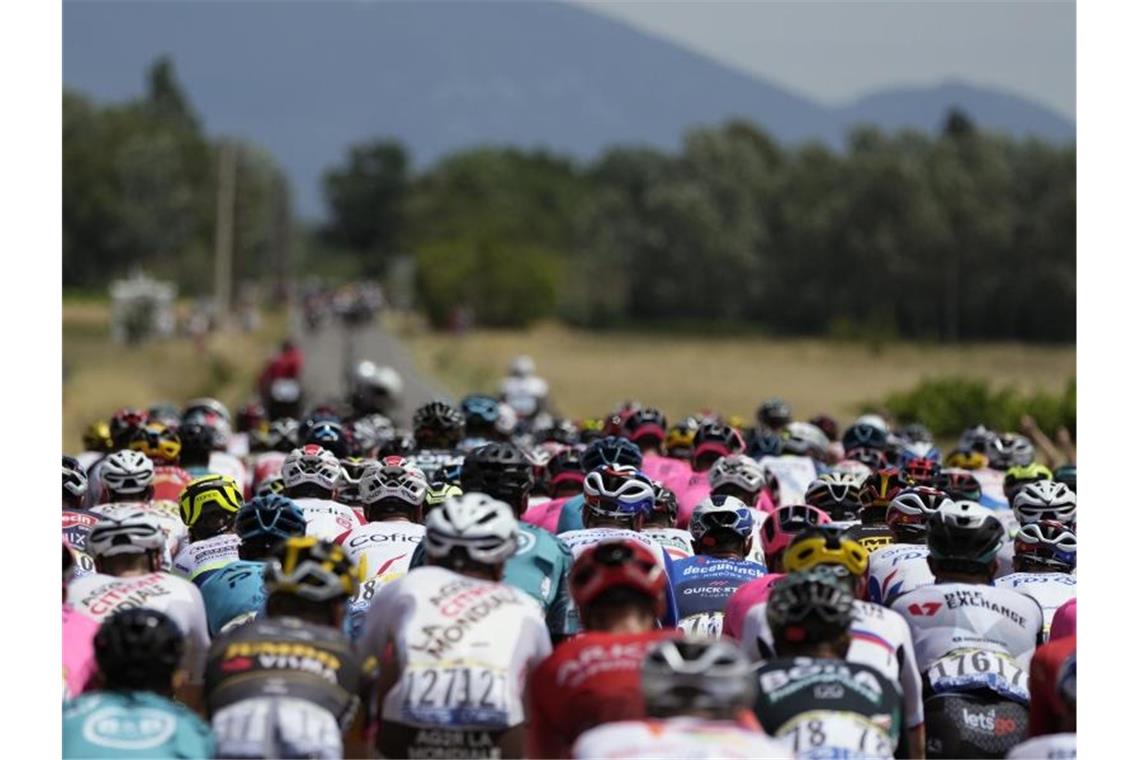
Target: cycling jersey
x=545 y=514
x=384 y=550
x=993 y=487
x=972 y=637
x=461 y=648
x=879 y=639
x=1051 y=590
x=266 y=465
x=742 y=600
x=325 y=518
x=197 y=560
x=285 y=680
x=679 y=543
x=821 y=708
x=793 y=473
x=1047 y=664
x=871 y=537
x=680 y=738
x=895 y=570
x=169 y=482
x=589 y=680
x=1051 y=747
x=580 y=540
x=703 y=585
x=672 y=473
x=526 y=395
x=236 y=591
x=690 y=493
x=77 y=524
x=109 y=724
x=224 y=463
x=438 y=464
x=78 y=651
x=98 y=595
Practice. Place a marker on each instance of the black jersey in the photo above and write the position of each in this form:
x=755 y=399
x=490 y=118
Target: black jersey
x=828 y=708
x=287 y=657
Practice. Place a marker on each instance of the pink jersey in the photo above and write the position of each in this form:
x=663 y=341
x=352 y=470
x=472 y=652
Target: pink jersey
x=78 y=650
x=1064 y=621
x=689 y=495
x=545 y=515
x=673 y=473
x=743 y=599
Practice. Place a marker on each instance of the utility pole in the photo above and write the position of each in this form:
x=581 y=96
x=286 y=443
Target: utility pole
x=224 y=232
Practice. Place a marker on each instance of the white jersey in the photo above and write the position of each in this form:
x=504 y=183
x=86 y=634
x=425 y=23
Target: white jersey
x=224 y=463
x=165 y=513
x=880 y=639
x=579 y=541
x=896 y=570
x=524 y=394
x=98 y=596
x=463 y=648
x=88 y=458
x=383 y=548
x=679 y=543
x=793 y=473
x=1049 y=747
x=301 y=728
x=969 y=636
x=680 y=738
x=1051 y=590
x=327 y=519
x=214 y=553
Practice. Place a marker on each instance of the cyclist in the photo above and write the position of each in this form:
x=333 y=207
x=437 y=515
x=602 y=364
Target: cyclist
x=813 y=697
x=603 y=451
x=591 y=679
x=132 y=713
x=480 y=415
x=842 y=497
x=454 y=621
x=77 y=521
x=973 y=641
x=96 y=444
x=160 y=443
x=120 y=429
x=285 y=685
x=1017 y=478
x=722 y=530
x=348 y=490
x=698 y=695
x=564 y=477
x=741 y=476
x=899 y=568
x=1067 y=474
x=375 y=390
x=311 y=474
x=208 y=507
x=236 y=593
x=523 y=390
x=646 y=428
x=1045 y=556
x=679 y=438
x=787 y=456
x=773 y=415
x=1045 y=500
x=660 y=524
x=128 y=486
x=78 y=634
x=1052 y=687
x=197 y=444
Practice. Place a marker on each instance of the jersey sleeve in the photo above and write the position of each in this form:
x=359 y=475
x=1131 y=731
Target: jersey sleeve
x=562 y=614
x=670 y=620
x=571 y=516
x=378 y=626
x=909 y=677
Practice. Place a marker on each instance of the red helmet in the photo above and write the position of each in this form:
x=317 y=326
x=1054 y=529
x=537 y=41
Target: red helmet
x=785 y=522
x=610 y=564
x=922 y=472
x=885 y=485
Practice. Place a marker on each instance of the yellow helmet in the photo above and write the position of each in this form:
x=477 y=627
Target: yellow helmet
x=312 y=569
x=825 y=545
x=158 y=441
x=97 y=436
x=439 y=492
x=967 y=460
x=207 y=494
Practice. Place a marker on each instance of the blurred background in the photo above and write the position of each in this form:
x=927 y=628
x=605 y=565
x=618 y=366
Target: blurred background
x=850 y=205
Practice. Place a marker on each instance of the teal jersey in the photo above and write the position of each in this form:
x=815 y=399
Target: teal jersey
x=132 y=724
x=541 y=568
x=233 y=590
x=571 y=516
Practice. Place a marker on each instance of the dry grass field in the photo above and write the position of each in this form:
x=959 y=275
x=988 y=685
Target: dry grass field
x=590 y=372
x=101 y=376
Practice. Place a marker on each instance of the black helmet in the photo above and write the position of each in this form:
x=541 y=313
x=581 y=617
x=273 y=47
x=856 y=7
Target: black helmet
x=774 y=413
x=645 y=423
x=611 y=450
x=399 y=444
x=499 y=470
x=665 y=502
x=197 y=439
x=964 y=532
x=863 y=435
x=138 y=649
x=1067 y=474
x=330 y=436
x=810 y=607
x=764 y=444
x=437 y=425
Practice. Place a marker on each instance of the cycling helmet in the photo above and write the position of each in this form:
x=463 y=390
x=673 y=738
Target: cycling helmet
x=827 y=425
x=720 y=513
x=665 y=503
x=825 y=545
x=921 y=471
x=208 y=405
x=624 y=563
x=785 y=523
x=138 y=649
x=557 y=431
x=916 y=432
x=1017 y=478
x=521 y=366
x=679 y=676
x=269 y=517
x=123 y=424
x=166 y=413
x=251 y=416
x=439 y=492
x=392 y=482
x=363 y=438
x=712 y=442
x=966 y=459
x=873 y=459
x=909 y=511
x=804 y=439
x=271 y=485
x=97 y=437
x=679 y=437
x=885 y=484
x=209 y=494
x=474 y=527
x=975 y=439
x=157 y=441
x=773 y=414
x=738 y=473
x=312 y=569
x=1009 y=450
x=331 y=436
x=74 y=478
x=480 y=412
x=348 y=491
x=196 y=439
x=1045 y=500
x=218 y=424
x=809 y=607
x=611 y=450
x=959 y=485
x=647 y=423
x=400 y=443
x=311 y=464
x=437 y=425
x=874 y=420
x=127 y=473
x=851 y=467
x=125 y=533
x=1047 y=544
x=618 y=491
x=1067 y=474
x=762 y=443
x=964 y=532
x=842 y=497
x=864 y=435
x=500 y=470
x=920 y=450
x=565 y=471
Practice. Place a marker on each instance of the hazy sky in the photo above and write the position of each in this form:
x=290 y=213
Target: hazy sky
x=836 y=51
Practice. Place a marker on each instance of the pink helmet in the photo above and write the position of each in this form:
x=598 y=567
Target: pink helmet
x=784 y=523
x=1064 y=620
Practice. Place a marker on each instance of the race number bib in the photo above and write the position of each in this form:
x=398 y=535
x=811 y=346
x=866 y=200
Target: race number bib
x=971 y=669
x=293 y=727
x=463 y=694
x=822 y=734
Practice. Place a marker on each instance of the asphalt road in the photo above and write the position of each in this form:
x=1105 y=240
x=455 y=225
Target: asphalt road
x=331 y=351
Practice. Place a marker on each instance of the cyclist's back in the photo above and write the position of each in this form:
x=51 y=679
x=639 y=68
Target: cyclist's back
x=896 y=570
x=106 y=724
x=682 y=737
x=1050 y=590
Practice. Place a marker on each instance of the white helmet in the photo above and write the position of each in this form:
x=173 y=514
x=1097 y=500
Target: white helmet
x=805 y=439
x=127 y=472
x=522 y=366
x=738 y=470
x=697 y=673
x=1045 y=500
x=851 y=467
x=1010 y=450
x=311 y=464
x=873 y=420
x=483 y=527
x=126 y=533
x=392 y=478
x=721 y=512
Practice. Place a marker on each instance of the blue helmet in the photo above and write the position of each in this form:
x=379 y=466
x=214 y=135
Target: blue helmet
x=764 y=444
x=478 y=408
x=271 y=515
x=611 y=450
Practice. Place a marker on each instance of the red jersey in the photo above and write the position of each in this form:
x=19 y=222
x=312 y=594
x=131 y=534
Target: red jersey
x=286 y=365
x=588 y=680
x=169 y=481
x=1046 y=710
